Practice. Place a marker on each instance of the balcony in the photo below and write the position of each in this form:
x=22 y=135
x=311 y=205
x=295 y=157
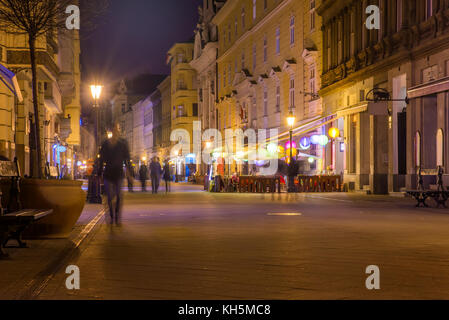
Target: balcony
x=184 y=92
x=182 y=120
x=20 y=58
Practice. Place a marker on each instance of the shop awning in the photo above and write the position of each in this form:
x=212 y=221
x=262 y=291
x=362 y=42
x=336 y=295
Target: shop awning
x=10 y=80
x=352 y=110
x=426 y=89
x=306 y=126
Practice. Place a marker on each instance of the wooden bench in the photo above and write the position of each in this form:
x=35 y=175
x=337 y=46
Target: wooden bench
x=421 y=194
x=14 y=219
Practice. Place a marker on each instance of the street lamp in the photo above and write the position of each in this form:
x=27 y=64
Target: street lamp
x=291 y=119
x=96 y=94
x=94 y=189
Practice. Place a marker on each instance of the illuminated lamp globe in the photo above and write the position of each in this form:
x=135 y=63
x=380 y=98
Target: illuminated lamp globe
x=281 y=152
x=304 y=143
x=334 y=133
x=323 y=141
x=96 y=91
x=290 y=144
x=315 y=139
x=272 y=148
x=291 y=119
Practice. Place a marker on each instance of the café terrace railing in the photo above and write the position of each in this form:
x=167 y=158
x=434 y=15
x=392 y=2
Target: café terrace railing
x=272 y=184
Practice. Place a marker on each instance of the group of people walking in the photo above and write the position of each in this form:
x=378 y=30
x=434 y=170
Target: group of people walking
x=157 y=172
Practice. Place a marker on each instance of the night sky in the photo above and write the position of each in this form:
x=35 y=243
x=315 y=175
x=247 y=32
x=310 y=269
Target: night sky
x=134 y=36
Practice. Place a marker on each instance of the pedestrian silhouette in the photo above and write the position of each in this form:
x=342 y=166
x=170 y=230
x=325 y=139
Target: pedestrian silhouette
x=167 y=176
x=156 y=171
x=143 y=176
x=114 y=153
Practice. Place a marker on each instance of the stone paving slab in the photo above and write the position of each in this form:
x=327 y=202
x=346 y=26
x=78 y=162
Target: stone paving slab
x=25 y=265
x=226 y=246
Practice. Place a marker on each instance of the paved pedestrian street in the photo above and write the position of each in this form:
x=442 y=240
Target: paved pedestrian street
x=196 y=245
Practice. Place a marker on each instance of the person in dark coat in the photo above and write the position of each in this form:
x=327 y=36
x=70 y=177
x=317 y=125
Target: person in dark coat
x=143 y=176
x=130 y=177
x=167 y=176
x=155 y=172
x=114 y=153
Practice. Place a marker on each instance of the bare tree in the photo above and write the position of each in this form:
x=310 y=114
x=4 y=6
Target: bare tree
x=36 y=18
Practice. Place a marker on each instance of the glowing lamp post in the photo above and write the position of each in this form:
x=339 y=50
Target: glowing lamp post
x=291 y=119
x=94 y=188
x=96 y=94
x=333 y=133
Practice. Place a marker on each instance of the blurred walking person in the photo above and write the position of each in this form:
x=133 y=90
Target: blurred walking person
x=130 y=178
x=167 y=176
x=155 y=172
x=114 y=154
x=143 y=176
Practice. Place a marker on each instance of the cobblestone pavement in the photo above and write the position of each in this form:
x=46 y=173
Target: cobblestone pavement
x=196 y=245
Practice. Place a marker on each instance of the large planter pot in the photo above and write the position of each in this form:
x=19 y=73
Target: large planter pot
x=65 y=197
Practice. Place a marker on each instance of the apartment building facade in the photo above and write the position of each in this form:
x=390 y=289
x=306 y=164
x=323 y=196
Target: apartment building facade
x=268 y=62
x=185 y=109
x=58 y=96
x=404 y=66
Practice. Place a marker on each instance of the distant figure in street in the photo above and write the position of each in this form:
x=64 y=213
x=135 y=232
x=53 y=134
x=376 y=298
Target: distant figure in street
x=143 y=176
x=114 y=153
x=130 y=178
x=167 y=176
x=156 y=171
